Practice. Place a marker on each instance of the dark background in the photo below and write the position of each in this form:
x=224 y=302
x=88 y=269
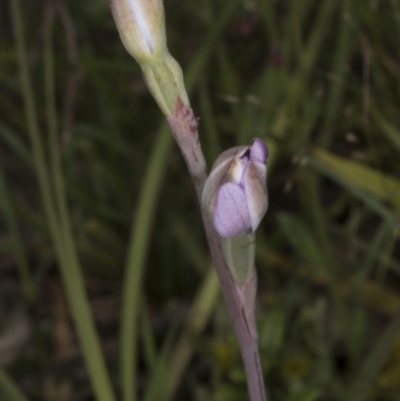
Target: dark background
x=319 y=81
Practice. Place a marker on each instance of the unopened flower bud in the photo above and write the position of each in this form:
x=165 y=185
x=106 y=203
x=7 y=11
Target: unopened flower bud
x=235 y=195
x=141 y=25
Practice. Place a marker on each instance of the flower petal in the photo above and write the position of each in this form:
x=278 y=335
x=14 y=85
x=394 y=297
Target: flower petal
x=231 y=215
x=229 y=154
x=255 y=186
x=210 y=191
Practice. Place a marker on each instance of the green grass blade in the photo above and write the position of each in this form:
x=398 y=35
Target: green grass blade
x=19 y=249
x=71 y=274
x=157 y=383
x=391 y=133
x=363 y=177
x=71 y=270
x=198 y=316
x=373 y=203
x=338 y=73
x=8 y=389
x=15 y=144
x=149 y=347
x=373 y=363
x=210 y=124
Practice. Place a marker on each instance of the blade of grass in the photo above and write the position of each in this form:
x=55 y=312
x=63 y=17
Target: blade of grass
x=296 y=86
x=317 y=35
x=28 y=288
x=15 y=144
x=210 y=125
x=9 y=391
x=157 y=384
x=373 y=203
x=182 y=234
x=374 y=296
x=371 y=256
x=300 y=237
x=337 y=86
x=267 y=8
x=390 y=131
x=71 y=275
x=138 y=245
x=366 y=178
x=142 y=222
x=387 y=251
x=149 y=347
x=198 y=316
x=311 y=201
x=374 y=362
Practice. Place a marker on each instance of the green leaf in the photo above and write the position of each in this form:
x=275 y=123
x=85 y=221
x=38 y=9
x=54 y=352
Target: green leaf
x=373 y=181
x=301 y=239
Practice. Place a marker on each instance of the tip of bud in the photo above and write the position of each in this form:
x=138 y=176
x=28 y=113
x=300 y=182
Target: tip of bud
x=259 y=151
x=141 y=27
x=142 y=23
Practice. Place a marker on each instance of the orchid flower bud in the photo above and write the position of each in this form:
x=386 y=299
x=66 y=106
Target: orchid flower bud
x=141 y=25
x=235 y=195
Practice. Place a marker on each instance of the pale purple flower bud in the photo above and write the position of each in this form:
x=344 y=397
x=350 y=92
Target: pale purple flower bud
x=235 y=196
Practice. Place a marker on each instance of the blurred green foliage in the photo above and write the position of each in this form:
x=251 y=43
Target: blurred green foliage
x=319 y=82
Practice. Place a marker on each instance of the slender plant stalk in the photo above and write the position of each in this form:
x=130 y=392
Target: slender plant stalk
x=197 y=318
x=184 y=129
x=142 y=222
x=27 y=283
x=59 y=230
x=140 y=233
x=73 y=278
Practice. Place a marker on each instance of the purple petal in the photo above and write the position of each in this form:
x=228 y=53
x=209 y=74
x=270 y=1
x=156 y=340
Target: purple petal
x=256 y=192
x=259 y=151
x=231 y=215
x=210 y=190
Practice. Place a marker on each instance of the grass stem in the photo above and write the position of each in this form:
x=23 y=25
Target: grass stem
x=60 y=233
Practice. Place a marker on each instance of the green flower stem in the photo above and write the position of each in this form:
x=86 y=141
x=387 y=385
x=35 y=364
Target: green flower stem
x=142 y=224
x=138 y=245
x=65 y=252
x=198 y=317
x=71 y=270
x=33 y=129
x=240 y=301
x=239 y=297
